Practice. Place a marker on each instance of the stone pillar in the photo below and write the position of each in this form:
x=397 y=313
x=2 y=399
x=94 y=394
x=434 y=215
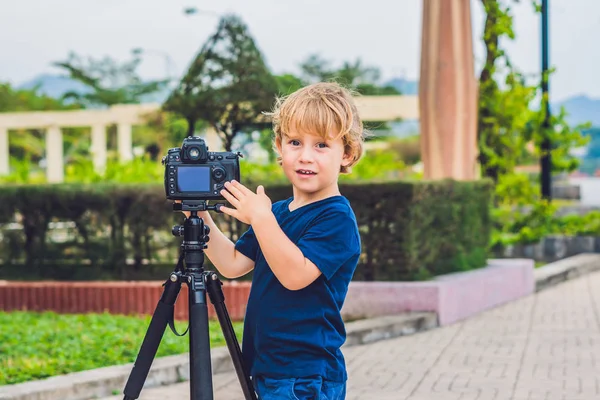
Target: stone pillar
x=124 y=142
x=54 y=155
x=448 y=91
x=99 y=147
x=4 y=155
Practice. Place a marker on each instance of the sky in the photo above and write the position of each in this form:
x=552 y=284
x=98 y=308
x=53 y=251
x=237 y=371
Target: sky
x=382 y=33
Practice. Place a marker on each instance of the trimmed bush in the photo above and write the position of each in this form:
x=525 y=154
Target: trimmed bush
x=409 y=230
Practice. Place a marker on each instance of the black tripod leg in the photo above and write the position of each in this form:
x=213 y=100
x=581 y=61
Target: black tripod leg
x=200 y=363
x=162 y=314
x=213 y=285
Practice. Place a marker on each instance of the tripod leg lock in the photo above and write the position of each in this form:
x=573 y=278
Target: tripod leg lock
x=213 y=286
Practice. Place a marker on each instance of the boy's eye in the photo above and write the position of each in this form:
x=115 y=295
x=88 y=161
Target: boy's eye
x=294 y=142
x=322 y=145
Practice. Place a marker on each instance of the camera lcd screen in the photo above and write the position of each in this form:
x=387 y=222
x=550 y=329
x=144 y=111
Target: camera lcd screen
x=193 y=179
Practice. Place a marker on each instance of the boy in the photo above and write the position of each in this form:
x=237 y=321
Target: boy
x=303 y=250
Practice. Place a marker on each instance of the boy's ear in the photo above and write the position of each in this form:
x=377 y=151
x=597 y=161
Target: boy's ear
x=346 y=159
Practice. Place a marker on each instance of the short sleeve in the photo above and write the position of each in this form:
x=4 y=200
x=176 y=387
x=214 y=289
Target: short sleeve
x=330 y=241
x=247 y=244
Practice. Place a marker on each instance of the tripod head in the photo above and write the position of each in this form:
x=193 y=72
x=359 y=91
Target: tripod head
x=196 y=205
x=194 y=232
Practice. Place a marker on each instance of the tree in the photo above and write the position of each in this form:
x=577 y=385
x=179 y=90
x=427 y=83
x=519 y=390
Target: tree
x=316 y=69
x=503 y=114
x=28 y=100
x=352 y=74
x=288 y=83
x=228 y=84
x=510 y=131
x=507 y=119
x=109 y=82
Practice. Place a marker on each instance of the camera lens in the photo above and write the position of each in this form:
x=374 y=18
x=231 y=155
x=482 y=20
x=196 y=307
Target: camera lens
x=194 y=153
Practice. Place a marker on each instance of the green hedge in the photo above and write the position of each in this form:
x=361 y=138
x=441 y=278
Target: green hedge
x=410 y=230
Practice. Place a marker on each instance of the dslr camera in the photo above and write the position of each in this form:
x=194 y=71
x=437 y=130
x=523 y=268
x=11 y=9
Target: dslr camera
x=194 y=173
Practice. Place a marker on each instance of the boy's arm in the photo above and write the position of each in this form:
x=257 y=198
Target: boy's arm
x=222 y=253
x=286 y=260
x=292 y=269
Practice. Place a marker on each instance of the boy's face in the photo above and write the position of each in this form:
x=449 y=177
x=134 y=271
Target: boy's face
x=311 y=163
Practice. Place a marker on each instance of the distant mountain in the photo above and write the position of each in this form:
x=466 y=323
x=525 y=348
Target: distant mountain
x=57 y=85
x=404 y=86
x=580 y=109
x=54 y=85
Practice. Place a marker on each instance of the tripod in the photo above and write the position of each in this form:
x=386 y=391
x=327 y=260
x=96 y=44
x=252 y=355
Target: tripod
x=195 y=236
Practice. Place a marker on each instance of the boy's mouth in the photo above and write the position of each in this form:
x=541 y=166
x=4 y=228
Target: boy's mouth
x=305 y=172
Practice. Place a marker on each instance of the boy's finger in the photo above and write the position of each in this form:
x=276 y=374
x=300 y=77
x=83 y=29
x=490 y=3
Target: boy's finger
x=229 y=197
x=227 y=210
x=233 y=213
x=234 y=190
x=241 y=187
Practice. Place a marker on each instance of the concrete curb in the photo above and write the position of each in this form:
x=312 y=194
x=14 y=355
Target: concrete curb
x=566 y=269
x=381 y=328
x=107 y=381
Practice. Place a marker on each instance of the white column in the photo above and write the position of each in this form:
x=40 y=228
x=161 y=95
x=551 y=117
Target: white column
x=99 y=147
x=212 y=139
x=4 y=167
x=124 y=142
x=54 y=155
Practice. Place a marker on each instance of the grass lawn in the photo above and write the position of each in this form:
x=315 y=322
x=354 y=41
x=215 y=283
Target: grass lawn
x=39 y=345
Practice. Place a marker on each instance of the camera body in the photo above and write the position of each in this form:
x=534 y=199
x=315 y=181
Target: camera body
x=194 y=173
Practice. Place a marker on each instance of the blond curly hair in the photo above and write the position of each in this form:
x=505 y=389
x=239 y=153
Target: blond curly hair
x=321 y=108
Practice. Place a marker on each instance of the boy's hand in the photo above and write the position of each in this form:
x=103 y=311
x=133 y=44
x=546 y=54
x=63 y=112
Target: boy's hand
x=249 y=206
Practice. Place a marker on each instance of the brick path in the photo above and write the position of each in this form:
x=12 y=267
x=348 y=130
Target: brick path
x=543 y=347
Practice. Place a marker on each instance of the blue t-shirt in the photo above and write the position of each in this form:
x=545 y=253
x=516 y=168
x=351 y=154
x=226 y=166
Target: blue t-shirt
x=299 y=333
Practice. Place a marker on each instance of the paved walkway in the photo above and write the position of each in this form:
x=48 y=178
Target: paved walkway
x=543 y=347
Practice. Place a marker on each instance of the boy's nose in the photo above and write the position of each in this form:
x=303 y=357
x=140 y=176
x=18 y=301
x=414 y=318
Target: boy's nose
x=306 y=155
